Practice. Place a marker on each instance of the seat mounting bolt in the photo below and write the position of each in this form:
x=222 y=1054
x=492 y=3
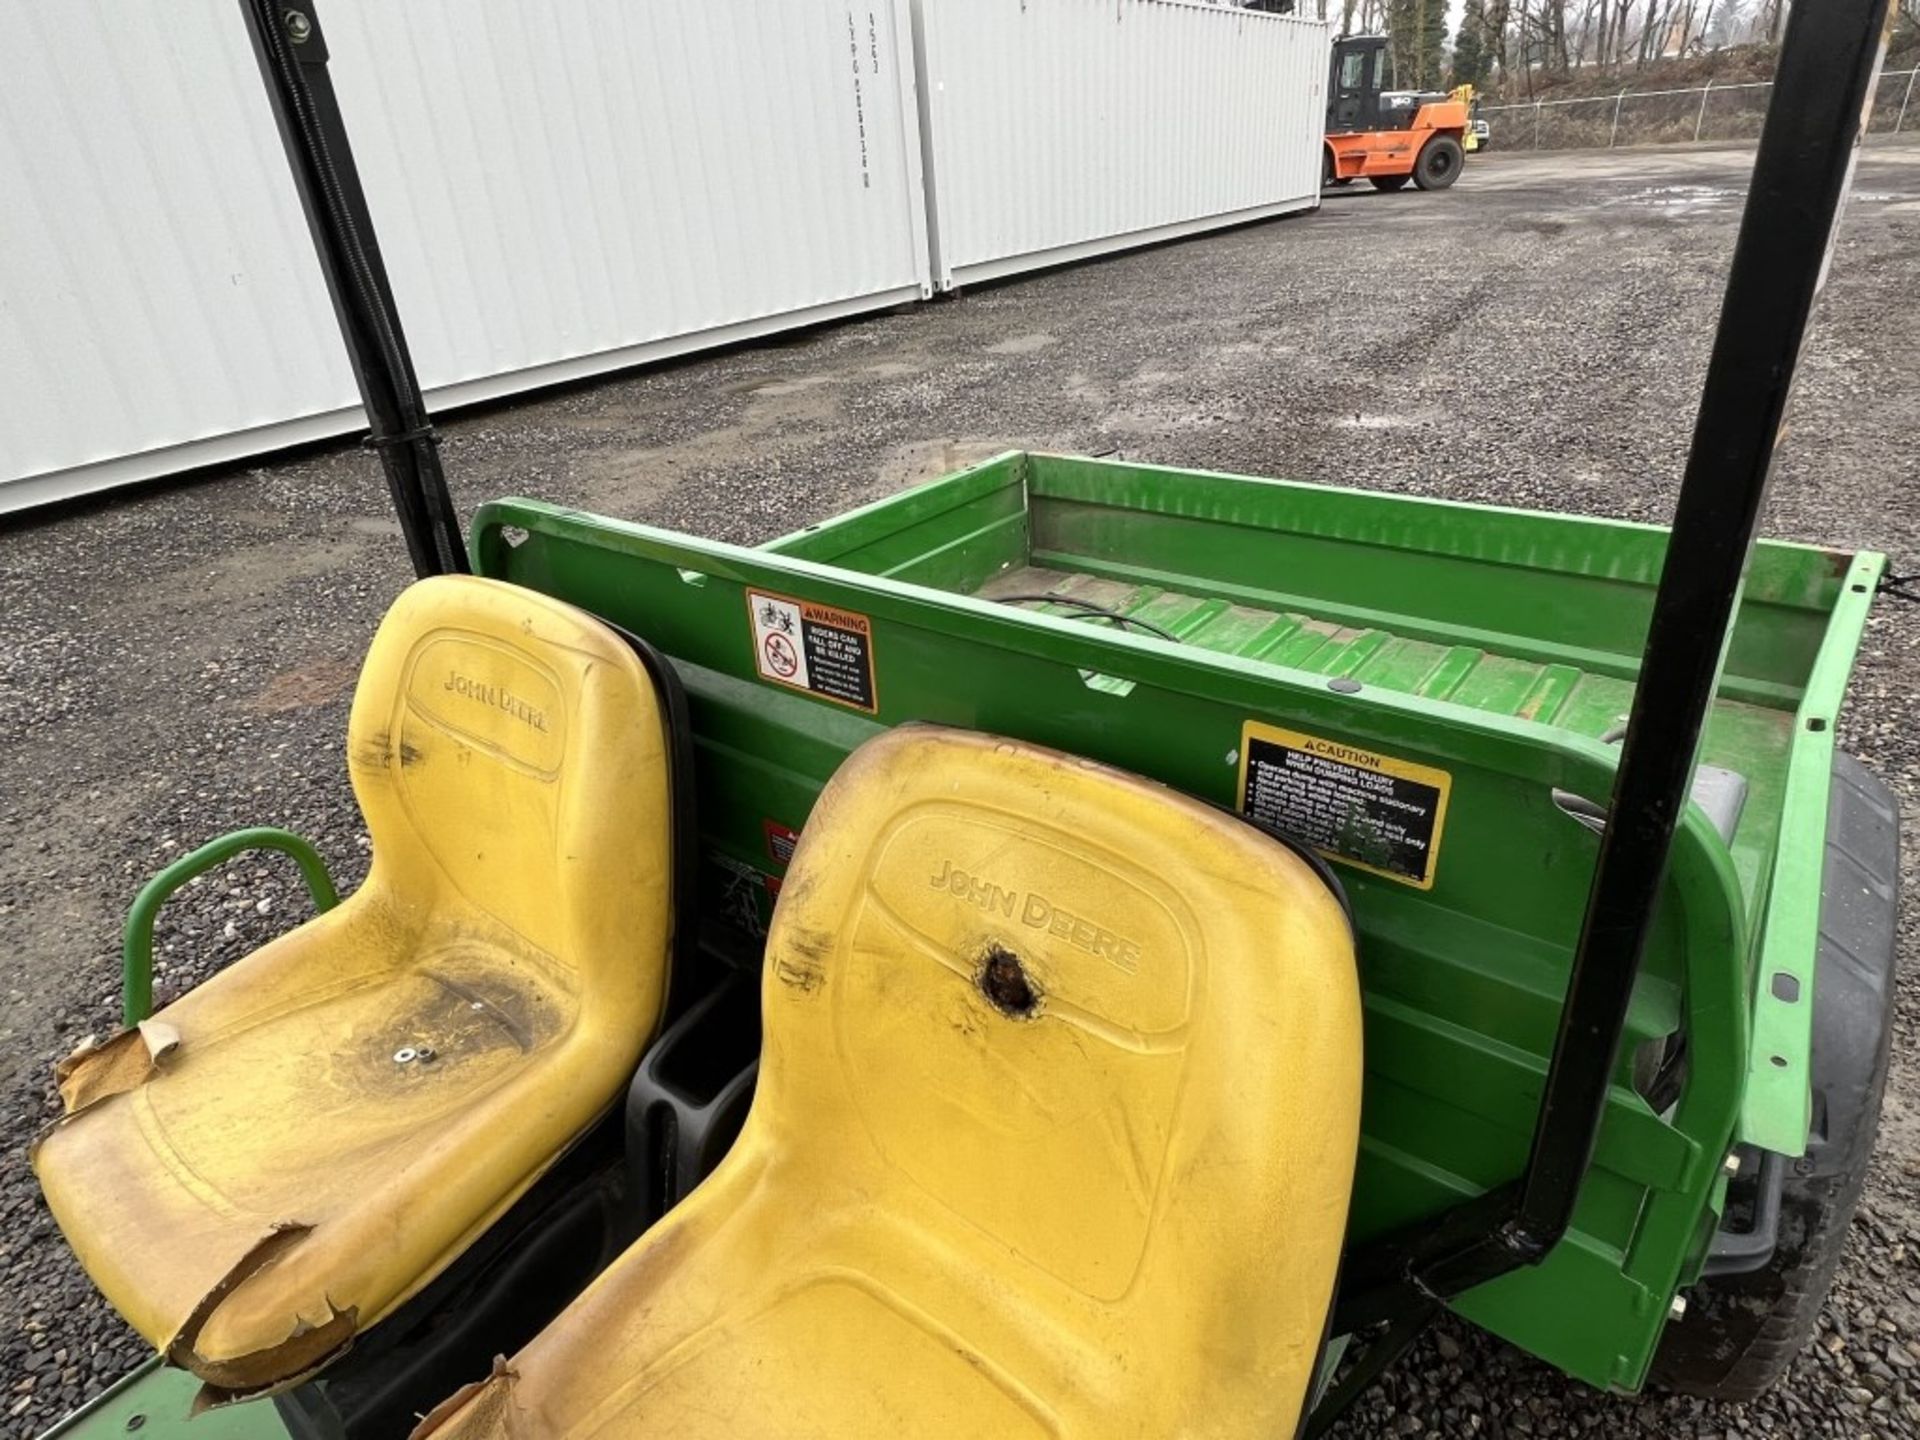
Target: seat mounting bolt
x=406 y=1055
x=1678 y=1309
x=299 y=27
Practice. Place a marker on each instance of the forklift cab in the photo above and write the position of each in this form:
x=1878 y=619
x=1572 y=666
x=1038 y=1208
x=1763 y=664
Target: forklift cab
x=1356 y=100
x=1353 y=92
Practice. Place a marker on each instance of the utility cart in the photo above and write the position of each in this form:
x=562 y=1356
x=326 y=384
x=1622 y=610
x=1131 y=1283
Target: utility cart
x=1075 y=948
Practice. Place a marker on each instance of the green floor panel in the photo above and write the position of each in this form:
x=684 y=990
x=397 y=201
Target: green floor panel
x=154 y=1402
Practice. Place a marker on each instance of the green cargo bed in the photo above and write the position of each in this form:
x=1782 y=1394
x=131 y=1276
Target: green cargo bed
x=1530 y=616
x=1467 y=662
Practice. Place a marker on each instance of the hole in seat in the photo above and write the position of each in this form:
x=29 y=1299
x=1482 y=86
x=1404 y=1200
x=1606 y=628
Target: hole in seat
x=1004 y=981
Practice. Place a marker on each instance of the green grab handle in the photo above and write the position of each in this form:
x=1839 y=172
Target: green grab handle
x=136 y=952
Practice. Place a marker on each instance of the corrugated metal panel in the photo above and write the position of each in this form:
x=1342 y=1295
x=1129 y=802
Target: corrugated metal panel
x=559 y=190
x=1058 y=129
x=157 y=288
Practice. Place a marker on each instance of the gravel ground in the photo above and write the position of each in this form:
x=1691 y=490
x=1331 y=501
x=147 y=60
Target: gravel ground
x=176 y=662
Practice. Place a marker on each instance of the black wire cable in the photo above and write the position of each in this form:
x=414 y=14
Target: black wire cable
x=1092 y=612
x=1898 y=587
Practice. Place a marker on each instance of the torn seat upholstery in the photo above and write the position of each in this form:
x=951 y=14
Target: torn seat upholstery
x=1055 y=1130
x=281 y=1157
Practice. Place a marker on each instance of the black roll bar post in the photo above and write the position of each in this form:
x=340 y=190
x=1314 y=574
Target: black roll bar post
x=292 y=53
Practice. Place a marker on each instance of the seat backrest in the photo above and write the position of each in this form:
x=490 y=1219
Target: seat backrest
x=510 y=755
x=1089 y=1035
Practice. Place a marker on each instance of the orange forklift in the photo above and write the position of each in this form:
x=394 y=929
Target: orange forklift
x=1388 y=136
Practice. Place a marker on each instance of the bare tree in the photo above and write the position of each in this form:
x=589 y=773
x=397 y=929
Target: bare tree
x=1553 y=35
x=1579 y=31
x=1706 y=25
x=1654 y=30
x=1497 y=11
x=1683 y=24
x=1616 y=50
x=1522 y=39
x=1363 y=17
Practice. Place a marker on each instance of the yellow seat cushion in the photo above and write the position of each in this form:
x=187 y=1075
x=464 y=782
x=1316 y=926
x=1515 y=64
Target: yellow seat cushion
x=1056 y=1124
x=281 y=1157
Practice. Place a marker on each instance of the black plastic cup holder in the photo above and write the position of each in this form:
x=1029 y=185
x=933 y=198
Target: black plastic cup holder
x=690 y=1096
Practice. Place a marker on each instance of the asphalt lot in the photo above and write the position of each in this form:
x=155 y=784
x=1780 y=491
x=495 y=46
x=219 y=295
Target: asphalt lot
x=175 y=661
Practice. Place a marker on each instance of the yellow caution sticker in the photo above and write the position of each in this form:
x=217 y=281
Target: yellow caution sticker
x=1367 y=810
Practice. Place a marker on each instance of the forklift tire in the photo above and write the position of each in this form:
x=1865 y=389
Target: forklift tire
x=1439 y=164
x=1742 y=1330
x=1388 y=182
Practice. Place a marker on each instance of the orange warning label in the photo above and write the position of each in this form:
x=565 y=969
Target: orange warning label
x=821 y=649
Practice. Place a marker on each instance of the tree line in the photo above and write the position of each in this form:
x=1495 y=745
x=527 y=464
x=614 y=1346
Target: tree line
x=1506 y=39
x=1508 y=44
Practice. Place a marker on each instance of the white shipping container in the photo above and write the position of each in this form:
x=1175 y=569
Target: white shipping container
x=1059 y=129
x=559 y=189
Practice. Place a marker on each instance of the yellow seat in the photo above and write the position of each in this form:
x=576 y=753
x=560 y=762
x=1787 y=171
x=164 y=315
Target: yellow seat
x=1058 y=1109
x=281 y=1157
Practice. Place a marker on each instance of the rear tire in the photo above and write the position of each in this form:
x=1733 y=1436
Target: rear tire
x=1440 y=163
x=1741 y=1332
x=1388 y=182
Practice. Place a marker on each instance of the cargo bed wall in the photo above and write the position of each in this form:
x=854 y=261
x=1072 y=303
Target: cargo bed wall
x=1553 y=589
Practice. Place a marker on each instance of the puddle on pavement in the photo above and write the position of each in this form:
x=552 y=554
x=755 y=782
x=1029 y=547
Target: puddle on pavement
x=1678 y=197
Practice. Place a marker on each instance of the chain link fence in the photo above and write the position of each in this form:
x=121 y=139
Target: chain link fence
x=1669 y=117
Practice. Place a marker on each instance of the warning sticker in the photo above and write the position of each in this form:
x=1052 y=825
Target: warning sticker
x=816 y=648
x=1371 y=811
x=780 y=841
